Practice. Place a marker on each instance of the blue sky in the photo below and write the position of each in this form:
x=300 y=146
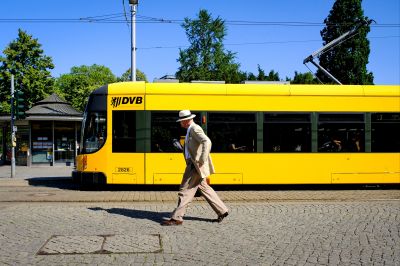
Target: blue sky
x=277 y=47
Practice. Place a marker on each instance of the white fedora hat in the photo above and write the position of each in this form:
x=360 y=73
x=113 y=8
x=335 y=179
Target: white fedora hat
x=185 y=115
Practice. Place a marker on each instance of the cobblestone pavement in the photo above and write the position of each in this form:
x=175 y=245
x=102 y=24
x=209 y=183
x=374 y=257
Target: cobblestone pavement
x=53 y=184
x=63 y=190
x=47 y=220
x=50 y=190
x=255 y=233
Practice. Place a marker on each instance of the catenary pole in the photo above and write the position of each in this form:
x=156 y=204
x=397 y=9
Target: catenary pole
x=12 y=130
x=133 y=4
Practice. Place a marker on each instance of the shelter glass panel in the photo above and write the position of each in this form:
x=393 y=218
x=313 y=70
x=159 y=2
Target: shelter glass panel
x=42 y=141
x=21 y=151
x=64 y=144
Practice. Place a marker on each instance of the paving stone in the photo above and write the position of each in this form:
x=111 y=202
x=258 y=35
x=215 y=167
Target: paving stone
x=133 y=244
x=255 y=233
x=72 y=245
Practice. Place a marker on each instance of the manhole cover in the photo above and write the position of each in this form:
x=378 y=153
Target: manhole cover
x=102 y=244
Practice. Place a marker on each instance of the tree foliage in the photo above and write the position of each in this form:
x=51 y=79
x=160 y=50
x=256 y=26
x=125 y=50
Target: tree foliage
x=272 y=75
x=303 y=78
x=25 y=59
x=347 y=61
x=77 y=85
x=140 y=76
x=206 y=59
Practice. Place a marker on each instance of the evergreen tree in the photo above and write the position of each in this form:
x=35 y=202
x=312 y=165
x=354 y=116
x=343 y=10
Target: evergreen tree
x=347 y=61
x=24 y=59
x=251 y=76
x=261 y=73
x=272 y=75
x=206 y=59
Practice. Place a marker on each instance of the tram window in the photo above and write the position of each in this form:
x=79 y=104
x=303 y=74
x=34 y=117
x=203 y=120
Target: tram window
x=385 y=132
x=124 y=131
x=165 y=129
x=232 y=132
x=94 y=131
x=341 y=133
x=287 y=132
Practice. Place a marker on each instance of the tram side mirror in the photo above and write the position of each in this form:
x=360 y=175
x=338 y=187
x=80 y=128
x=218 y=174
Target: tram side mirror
x=177 y=145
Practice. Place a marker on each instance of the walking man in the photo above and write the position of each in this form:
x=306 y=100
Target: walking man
x=198 y=167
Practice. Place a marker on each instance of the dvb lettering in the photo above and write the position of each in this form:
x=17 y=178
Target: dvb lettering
x=116 y=101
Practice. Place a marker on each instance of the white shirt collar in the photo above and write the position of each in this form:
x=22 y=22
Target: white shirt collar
x=187 y=155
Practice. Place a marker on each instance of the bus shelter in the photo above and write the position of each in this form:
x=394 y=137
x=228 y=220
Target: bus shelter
x=49 y=134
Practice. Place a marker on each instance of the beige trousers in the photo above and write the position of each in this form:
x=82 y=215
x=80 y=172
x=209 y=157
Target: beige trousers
x=190 y=183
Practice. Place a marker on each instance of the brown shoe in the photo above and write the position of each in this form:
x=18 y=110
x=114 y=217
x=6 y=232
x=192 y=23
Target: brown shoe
x=221 y=217
x=171 y=222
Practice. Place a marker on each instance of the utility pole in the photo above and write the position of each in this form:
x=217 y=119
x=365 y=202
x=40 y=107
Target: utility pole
x=13 y=139
x=133 y=4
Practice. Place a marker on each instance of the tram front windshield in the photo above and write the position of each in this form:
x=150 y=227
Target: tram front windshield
x=93 y=132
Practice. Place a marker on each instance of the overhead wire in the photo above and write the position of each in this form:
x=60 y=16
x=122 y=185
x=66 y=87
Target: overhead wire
x=255 y=43
x=102 y=16
x=112 y=18
x=126 y=18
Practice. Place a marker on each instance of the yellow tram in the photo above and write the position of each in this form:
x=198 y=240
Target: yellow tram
x=261 y=134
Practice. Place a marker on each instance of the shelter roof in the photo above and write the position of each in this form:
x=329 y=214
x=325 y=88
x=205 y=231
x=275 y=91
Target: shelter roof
x=52 y=106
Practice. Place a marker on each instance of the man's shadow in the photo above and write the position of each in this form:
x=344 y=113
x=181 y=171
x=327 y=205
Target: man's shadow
x=157 y=217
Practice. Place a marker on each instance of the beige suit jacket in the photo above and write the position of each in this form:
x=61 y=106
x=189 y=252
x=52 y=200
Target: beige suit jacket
x=199 y=147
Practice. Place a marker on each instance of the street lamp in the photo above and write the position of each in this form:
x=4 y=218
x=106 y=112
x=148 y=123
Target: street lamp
x=133 y=4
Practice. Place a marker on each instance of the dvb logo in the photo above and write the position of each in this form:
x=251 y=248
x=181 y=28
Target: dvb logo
x=116 y=101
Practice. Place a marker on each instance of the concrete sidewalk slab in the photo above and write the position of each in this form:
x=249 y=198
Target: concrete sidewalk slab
x=24 y=172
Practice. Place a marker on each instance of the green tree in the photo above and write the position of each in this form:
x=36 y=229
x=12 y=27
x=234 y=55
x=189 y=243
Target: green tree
x=140 y=76
x=261 y=73
x=303 y=78
x=25 y=59
x=251 y=76
x=347 y=61
x=77 y=85
x=272 y=75
x=206 y=59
